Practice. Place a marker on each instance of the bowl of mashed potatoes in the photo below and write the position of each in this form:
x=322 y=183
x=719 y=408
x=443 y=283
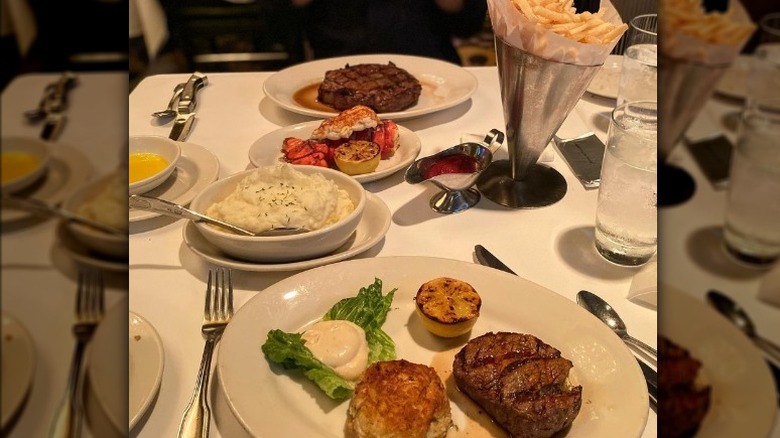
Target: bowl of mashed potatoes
x=151 y=161
x=327 y=203
x=24 y=162
x=103 y=200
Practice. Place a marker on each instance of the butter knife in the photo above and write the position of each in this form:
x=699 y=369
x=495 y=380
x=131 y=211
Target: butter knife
x=651 y=376
x=186 y=106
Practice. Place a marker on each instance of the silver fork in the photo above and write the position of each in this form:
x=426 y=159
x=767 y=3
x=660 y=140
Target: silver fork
x=216 y=313
x=89 y=312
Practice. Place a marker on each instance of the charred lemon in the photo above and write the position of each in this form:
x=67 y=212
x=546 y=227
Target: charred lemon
x=356 y=157
x=447 y=307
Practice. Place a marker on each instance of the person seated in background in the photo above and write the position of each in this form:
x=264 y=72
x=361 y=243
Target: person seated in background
x=410 y=27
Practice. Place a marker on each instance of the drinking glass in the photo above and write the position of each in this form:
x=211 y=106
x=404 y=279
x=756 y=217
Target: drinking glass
x=626 y=221
x=639 y=74
x=752 y=228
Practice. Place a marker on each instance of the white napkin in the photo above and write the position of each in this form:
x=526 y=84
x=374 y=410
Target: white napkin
x=644 y=285
x=769 y=291
x=150 y=17
x=547 y=156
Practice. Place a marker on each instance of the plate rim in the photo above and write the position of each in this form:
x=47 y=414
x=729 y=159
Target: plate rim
x=160 y=368
x=67 y=242
x=373 y=201
x=28 y=362
x=604 y=95
x=362 y=178
x=335 y=62
x=295 y=282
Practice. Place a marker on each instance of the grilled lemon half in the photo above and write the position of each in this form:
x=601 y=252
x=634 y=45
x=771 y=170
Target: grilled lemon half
x=447 y=307
x=356 y=157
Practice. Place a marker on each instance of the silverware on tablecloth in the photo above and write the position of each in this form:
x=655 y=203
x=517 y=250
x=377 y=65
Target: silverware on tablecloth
x=170 y=111
x=216 y=314
x=37 y=206
x=186 y=106
x=486 y=258
x=52 y=106
x=89 y=312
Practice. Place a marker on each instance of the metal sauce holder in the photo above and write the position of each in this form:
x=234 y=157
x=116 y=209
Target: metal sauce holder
x=457 y=193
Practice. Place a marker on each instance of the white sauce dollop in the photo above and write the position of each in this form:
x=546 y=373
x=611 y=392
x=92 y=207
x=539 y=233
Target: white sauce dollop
x=340 y=345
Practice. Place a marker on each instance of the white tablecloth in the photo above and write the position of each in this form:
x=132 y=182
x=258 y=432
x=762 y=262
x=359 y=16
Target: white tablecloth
x=551 y=246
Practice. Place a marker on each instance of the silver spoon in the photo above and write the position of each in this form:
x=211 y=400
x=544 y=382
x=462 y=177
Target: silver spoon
x=39 y=207
x=731 y=310
x=171 y=209
x=603 y=311
x=170 y=112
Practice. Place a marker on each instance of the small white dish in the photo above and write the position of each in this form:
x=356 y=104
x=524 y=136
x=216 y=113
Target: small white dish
x=146 y=363
x=267 y=150
x=372 y=228
x=444 y=84
x=154 y=144
x=83 y=255
x=68 y=170
x=197 y=167
x=18 y=367
x=31 y=146
x=607 y=80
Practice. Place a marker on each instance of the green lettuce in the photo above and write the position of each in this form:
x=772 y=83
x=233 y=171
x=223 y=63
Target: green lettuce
x=368 y=310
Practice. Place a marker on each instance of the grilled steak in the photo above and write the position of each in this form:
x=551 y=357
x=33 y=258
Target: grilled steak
x=683 y=403
x=520 y=381
x=383 y=88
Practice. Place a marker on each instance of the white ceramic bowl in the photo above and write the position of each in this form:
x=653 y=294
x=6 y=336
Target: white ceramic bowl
x=101 y=242
x=31 y=146
x=288 y=248
x=165 y=147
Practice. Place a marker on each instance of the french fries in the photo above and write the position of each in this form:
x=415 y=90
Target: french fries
x=690 y=18
x=560 y=17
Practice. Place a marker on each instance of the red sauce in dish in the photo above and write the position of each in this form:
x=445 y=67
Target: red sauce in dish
x=456 y=163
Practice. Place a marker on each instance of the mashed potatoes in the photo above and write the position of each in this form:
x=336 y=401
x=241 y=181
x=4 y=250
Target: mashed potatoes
x=281 y=196
x=109 y=206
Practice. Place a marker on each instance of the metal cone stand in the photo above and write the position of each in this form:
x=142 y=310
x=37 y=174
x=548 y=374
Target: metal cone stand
x=537 y=95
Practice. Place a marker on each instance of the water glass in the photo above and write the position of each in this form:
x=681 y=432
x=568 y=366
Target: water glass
x=639 y=74
x=752 y=228
x=626 y=221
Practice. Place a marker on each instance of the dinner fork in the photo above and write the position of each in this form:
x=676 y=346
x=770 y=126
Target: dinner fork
x=216 y=314
x=89 y=312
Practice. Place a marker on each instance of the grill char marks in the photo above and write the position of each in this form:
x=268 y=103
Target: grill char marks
x=683 y=403
x=520 y=381
x=384 y=88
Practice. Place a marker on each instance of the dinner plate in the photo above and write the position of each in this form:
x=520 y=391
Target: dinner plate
x=371 y=229
x=146 y=363
x=18 y=367
x=197 y=167
x=607 y=80
x=68 y=169
x=614 y=397
x=734 y=81
x=267 y=150
x=444 y=84
x=82 y=255
x=743 y=400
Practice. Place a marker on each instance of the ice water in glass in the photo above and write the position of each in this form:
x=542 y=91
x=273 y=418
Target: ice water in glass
x=639 y=74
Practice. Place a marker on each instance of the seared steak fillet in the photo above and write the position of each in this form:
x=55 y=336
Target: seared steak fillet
x=383 y=88
x=520 y=381
x=682 y=405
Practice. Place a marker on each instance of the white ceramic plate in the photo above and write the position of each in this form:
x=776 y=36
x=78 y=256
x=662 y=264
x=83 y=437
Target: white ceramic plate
x=145 y=368
x=734 y=82
x=82 y=255
x=68 y=169
x=444 y=84
x=607 y=80
x=743 y=400
x=615 y=400
x=197 y=167
x=371 y=229
x=18 y=367
x=267 y=150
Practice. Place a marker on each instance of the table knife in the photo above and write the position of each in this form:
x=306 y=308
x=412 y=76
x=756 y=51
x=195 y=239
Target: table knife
x=651 y=376
x=186 y=106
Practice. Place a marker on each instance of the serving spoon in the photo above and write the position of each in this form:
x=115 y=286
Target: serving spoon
x=172 y=209
x=731 y=310
x=603 y=311
x=37 y=206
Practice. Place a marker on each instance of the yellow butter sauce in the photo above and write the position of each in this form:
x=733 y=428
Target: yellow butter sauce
x=142 y=165
x=17 y=164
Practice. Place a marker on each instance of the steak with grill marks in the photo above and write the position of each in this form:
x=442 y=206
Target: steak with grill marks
x=383 y=88
x=520 y=381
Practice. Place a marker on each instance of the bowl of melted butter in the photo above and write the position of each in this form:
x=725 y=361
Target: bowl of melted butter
x=151 y=162
x=24 y=161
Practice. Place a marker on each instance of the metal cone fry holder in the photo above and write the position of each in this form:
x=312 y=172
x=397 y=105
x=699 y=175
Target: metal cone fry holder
x=537 y=95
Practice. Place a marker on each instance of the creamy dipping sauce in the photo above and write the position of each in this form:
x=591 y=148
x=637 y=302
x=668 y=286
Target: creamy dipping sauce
x=143 y=165
x=340 y=345
x=17 y=164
